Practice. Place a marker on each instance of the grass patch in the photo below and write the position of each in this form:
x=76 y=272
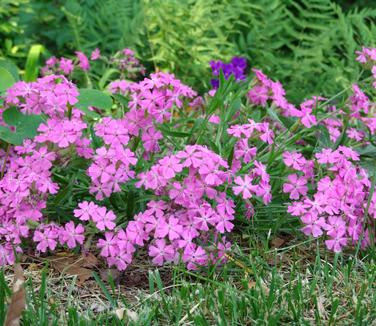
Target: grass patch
x=297 y=283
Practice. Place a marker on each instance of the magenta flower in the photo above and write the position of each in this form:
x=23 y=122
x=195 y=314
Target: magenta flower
x=83 y=61
x=86 y=211
x=46 y=239
x=104 y=219
x=296 y=186
x=294 y=160
x=244 y=186
x=95 y=55
x=327 y=156
x=170 y=166
x=336 y=244
x=314 y=225
x=72 y=235
x=108 y=245
x=66 y=66
x=171 y=228
x=136 y=233
x=195 y=257
x=161 y=252
x=336 y=227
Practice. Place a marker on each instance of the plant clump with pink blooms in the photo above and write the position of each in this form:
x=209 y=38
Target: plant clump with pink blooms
x=134 y=163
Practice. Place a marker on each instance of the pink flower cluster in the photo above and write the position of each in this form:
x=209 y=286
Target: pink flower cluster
x=28 y=180
x=127 y=63
x=337 y=207
x=267 y=90
x=48 y=236
x=195 y=192
x=193 y=213
x=124 y=61
x=358 y=114
x=368 y=57
x=111 y=163
x=50 y=95
x=152 y=102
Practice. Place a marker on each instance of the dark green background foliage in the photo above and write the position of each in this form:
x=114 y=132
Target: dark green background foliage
x=308 y=45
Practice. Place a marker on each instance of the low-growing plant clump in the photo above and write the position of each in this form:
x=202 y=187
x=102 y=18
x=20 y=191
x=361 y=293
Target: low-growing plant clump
x=149 y=164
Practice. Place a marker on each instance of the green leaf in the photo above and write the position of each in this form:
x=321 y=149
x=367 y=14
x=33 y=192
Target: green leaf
x=32 y=67
x=92 y=97
x=6 y=79
x=26 y=126
x=369 y=151
x=121 y=99
x=166 y=131
x=11 y=67
x=106 y=76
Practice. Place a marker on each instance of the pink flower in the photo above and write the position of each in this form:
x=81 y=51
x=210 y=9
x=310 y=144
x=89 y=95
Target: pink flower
x=170 y=165
x=215 y=119
x=66 y=66
x=296 y=186
x=327 y=156
x=294 y=160
x=336 y=244
x=314 y=225
x=161 y=252
x=244 y=186
x=83 y=61
x=95 y=55
x=108 y=246
x=73 y=235
x=308 y=119
x=86 y=211
x=104 y=219
x=194 y=257
x=223 y=223
x=136 y=232
x=171 y=228
x=46 y=239
x=336 y=227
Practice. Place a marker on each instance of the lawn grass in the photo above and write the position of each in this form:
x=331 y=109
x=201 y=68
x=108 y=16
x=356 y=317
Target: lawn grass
x=267 y=281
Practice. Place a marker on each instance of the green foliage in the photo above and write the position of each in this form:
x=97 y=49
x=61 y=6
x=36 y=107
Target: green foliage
x=95 y=98
x=6 y=79
x=110 y=25
x=184 y=35
x=32 y=67
x=309 y=45
x=25 y=125
x=11 y=29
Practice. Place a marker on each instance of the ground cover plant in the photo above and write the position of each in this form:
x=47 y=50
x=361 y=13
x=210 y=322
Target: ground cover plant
x=148 y=167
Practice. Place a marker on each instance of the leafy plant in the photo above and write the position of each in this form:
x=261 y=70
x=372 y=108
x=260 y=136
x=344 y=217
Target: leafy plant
x=309 y=45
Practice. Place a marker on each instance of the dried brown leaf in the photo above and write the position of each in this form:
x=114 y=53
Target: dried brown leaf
x=71 y=265
x=17 y=304
x=277 y=242
x=89 y=260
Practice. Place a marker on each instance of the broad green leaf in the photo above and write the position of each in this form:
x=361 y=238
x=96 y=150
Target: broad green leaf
x=11 y=67
x=369 y=151
x=25 y=126
x=6 y=79
x=10 y=137
x=95 y=98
